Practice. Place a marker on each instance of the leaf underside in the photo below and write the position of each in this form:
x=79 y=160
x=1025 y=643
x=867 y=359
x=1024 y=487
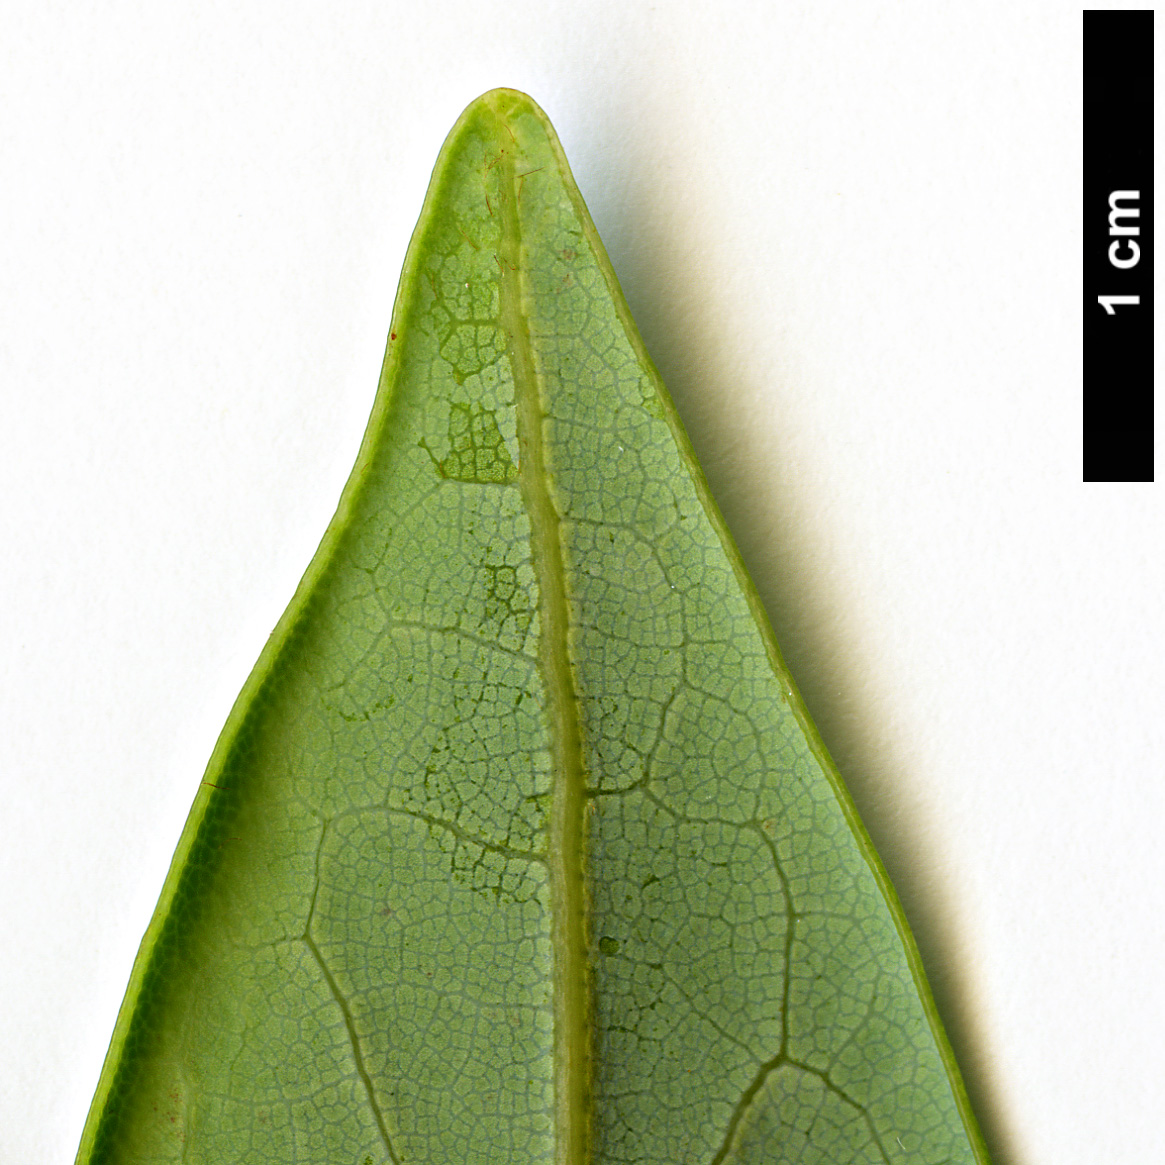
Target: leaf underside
x=519 y=845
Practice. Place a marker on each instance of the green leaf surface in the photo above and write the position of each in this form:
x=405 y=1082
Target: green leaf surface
x=519 y=845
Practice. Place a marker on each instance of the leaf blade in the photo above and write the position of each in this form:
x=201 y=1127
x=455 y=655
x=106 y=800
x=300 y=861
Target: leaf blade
x=525 y=671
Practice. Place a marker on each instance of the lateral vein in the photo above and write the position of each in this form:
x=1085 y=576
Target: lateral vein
x=345 y=1012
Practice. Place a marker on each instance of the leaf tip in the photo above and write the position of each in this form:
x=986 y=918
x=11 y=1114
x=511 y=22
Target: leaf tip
x=506 y=106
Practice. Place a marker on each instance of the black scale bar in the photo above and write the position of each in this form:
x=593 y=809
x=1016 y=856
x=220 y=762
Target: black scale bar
x=1118 y=246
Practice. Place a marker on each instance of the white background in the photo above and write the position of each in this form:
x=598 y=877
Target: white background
x=850 y=234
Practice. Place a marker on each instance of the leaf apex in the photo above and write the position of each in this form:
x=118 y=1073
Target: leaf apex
x=506 y=105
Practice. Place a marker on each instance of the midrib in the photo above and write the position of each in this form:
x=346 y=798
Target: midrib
x=572 y=1060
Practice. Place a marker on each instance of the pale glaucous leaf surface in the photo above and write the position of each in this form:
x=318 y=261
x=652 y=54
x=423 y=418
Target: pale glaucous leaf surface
x=519 y=845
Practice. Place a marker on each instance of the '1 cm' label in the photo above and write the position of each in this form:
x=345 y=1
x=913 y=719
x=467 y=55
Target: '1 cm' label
x=1125 y=236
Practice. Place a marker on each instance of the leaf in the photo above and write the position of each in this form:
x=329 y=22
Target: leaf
x=519 y=844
